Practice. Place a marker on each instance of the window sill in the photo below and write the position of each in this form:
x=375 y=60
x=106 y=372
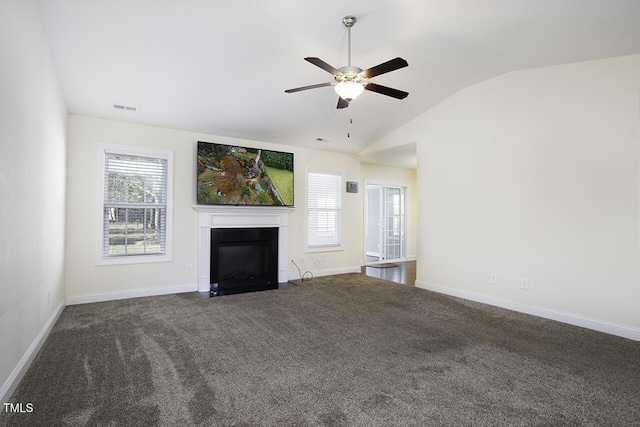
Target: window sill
x=324 y=249
x=136 y=259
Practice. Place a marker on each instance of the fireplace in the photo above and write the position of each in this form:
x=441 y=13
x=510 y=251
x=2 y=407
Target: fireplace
x=243 y=260
x=238 y=217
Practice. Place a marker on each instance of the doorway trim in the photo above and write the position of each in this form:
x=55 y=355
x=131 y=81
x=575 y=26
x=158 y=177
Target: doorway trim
x=366 y=221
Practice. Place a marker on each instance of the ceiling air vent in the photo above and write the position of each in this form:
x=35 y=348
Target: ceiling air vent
x=124 y=107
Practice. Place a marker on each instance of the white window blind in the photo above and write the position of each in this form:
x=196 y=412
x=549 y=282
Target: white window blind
x=324 y=209
x=135 y=205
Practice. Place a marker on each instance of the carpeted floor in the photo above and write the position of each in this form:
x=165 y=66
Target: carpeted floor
x=334 y=351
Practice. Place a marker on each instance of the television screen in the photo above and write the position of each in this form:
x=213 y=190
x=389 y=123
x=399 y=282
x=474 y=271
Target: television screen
x=234 y=175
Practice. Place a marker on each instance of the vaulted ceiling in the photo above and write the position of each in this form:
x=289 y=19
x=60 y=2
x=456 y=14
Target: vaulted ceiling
x=222 y=67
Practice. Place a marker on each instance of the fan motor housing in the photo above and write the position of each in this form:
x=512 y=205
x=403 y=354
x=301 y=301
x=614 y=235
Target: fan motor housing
x=350 y=69
x=350 y=73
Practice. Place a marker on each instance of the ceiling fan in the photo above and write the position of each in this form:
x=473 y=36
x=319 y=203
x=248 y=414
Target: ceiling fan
x=351 y=81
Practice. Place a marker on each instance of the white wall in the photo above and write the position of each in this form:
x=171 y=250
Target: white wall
x=84 y=278
x=322 y=263
x=535 y=174
x=32 y=189
x=402 y=177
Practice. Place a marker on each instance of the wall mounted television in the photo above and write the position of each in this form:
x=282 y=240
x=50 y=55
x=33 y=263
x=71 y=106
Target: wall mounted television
x=235 y=175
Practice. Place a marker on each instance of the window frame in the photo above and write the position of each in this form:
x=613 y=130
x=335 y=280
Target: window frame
x=166 y=154
x=332 y=248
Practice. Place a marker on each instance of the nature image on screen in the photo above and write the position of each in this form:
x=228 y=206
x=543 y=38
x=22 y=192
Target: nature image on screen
x=233 y=175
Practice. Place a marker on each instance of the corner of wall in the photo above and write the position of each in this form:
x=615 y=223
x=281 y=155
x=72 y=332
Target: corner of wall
x=18 y=372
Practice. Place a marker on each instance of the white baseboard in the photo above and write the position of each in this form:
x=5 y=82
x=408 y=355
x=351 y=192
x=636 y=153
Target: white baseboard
x=326 y=272
x=16 y=375
x=134 y=293
x=571 y=319
x=342 y=270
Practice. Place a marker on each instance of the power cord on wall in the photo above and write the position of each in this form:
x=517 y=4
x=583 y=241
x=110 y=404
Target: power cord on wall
x=301 y=274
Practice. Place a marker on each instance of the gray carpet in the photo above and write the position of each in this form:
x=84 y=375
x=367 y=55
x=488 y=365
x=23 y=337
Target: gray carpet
x=334 y=351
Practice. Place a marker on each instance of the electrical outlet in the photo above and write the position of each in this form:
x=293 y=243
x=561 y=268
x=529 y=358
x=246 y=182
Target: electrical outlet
x=524 y=284
x=189 y=268
x=493 y=278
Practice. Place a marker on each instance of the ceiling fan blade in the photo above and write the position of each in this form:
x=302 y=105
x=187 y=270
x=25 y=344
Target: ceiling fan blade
x=320 y=63
x=384 y=90
x=342 y=103
x=298 y=89
x=385 y=67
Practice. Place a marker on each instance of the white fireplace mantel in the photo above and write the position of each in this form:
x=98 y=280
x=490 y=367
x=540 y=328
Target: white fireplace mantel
x=240 y=217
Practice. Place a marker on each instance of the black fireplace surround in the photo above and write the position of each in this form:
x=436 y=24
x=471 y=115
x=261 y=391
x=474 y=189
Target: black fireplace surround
x=243 y=260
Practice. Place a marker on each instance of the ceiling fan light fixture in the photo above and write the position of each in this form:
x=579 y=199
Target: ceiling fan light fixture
x=351 y=81
x=349 y=90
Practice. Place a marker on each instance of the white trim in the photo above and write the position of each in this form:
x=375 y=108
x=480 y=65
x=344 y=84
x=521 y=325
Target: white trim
x=324 y=249
x=135 y=151
x=340 y=270
x=220 y=216
x=572 y=319
x=377 y=183
x=405 y=189
x=131 y=259
x=341 y=190
x=135 y=293
x=293 y=274
x=18 y=372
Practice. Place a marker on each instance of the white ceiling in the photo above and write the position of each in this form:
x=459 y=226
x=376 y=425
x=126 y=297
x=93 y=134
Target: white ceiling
x=222 y=67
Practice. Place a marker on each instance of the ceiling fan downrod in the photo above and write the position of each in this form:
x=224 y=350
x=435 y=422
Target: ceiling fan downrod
x=349 y=21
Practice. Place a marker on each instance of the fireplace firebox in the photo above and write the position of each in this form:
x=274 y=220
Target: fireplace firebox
x=243 y=260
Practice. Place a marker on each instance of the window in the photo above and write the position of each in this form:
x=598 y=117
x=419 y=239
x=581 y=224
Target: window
x=324 y=210
x=135 y=210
